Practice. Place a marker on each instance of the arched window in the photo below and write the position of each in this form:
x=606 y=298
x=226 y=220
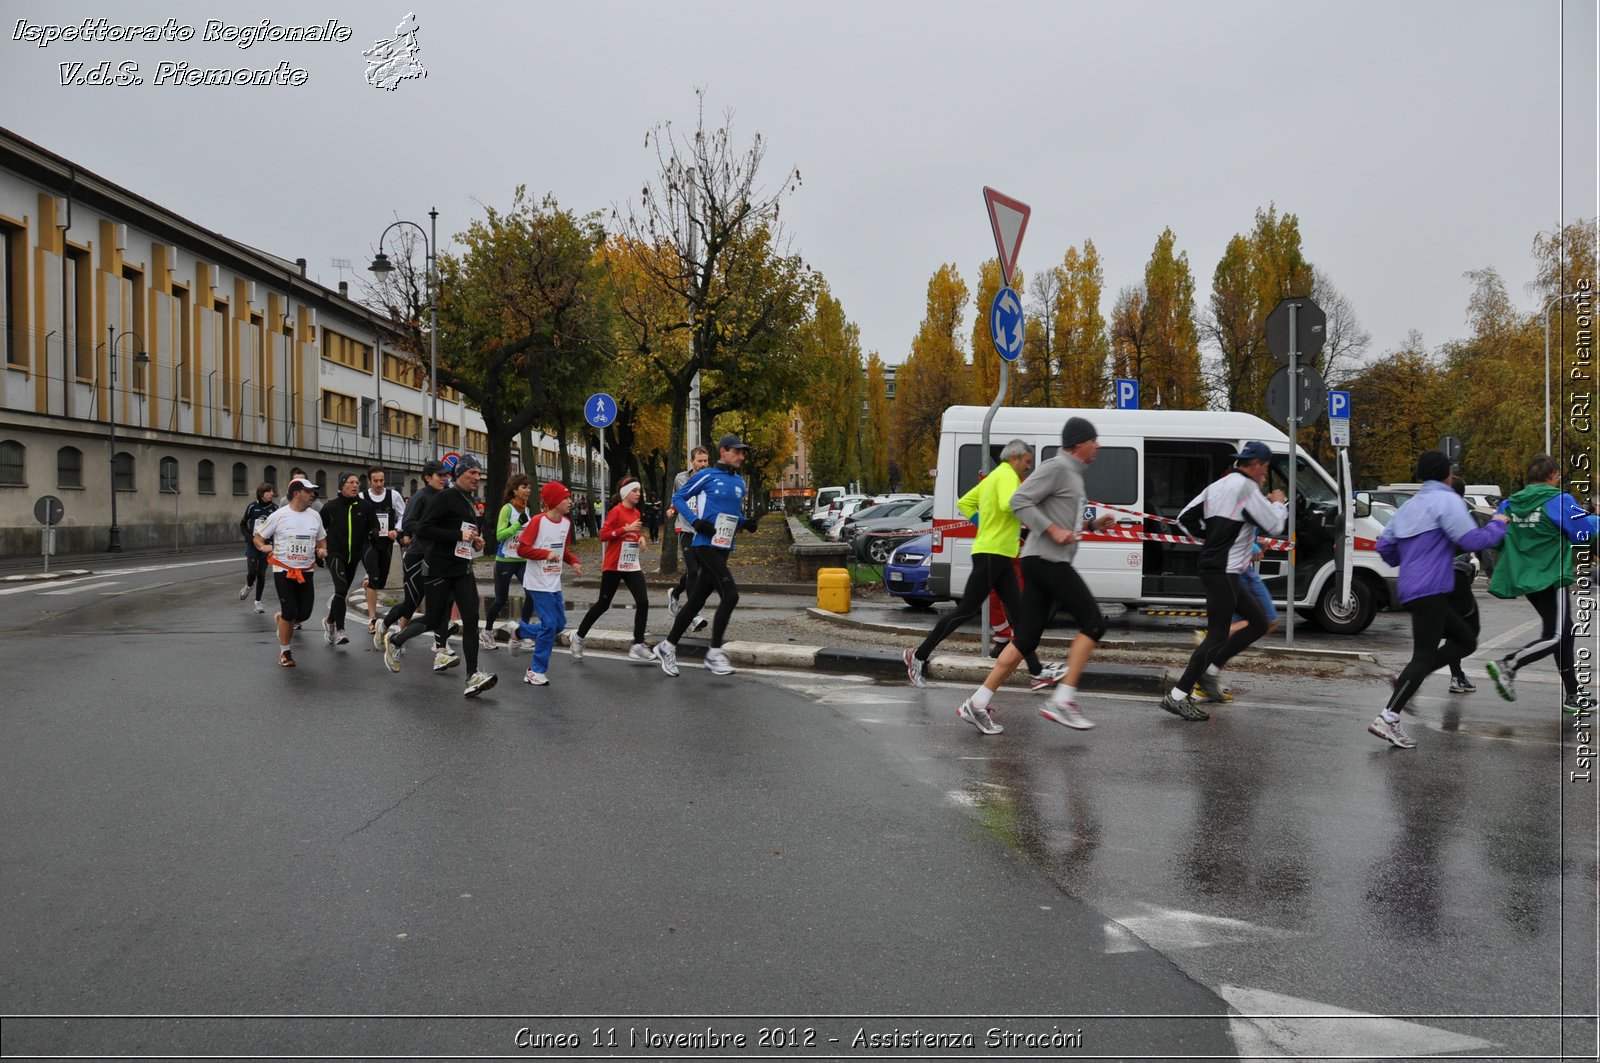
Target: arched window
x=322 y=482
x=413 y=491
x=270 y=475
x=122 y=472
x=169 y=476
x=69 y=467
x=11 y=455
x=241 y=479
x=208 y=477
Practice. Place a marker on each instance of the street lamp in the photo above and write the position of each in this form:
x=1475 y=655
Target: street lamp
x=380 y=266
x=1547 y=308
x=139 y=358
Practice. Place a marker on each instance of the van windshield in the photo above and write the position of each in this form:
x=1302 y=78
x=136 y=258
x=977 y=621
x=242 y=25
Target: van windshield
x=1311 y=483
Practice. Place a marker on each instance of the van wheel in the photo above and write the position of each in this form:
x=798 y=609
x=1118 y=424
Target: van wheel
x=1345 y=618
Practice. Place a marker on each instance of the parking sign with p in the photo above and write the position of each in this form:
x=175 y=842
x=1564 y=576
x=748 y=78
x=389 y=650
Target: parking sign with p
x=1127 y=394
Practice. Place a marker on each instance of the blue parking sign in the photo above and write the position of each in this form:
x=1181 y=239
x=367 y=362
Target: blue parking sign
x=1338 y=404
x=1127 y=394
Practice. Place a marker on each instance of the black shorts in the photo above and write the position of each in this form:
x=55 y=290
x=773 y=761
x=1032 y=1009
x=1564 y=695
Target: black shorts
x=296 y=598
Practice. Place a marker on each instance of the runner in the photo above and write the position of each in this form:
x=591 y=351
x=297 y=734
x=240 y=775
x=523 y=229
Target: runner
x=389 y=509
x=1535 y=563
x=255 y=571
x=1463 y=603
x=507 y=565
x=449 y=527
x=411 y=569
x=546 y=540
x=1422 y=540
x=721 y=494
x=1050 y=503
x=994 y=553
x=298 y=540
x=352 y=530
x=620 y=564
x=683 y=525
x=1233 y=510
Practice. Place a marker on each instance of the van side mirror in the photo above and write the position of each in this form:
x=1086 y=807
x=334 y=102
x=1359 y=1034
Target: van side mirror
x=1363 y=504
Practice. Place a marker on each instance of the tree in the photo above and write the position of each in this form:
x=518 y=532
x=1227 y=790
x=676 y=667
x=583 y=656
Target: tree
x=1254 y=274
x=831 y=412
x=1394 y=415
x=1038 y=379
x=1567 y=258
x=1080 y=330
x=876 y=427
x=935 y=377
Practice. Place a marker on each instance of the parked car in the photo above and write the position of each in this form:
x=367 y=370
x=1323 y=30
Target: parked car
x=839 y=509
x=906 y=575
x=820 y=503
x=843 y=530
x=874 y=538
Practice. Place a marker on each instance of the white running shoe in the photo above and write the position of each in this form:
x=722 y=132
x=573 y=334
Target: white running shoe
x=535 y=679
x=979 y=718
x=575 y=644
x=717 y=662
x=699 y=625
x=340 y=638
x=667 y=654
x=391 y=654
x=1392 y=733
x=915 y=668
x=640 y=652
x=378 y=633
x=480 y=682
x=244 y=592
x=486 y=639
x=672 y=603
x=260 y=608
x=518 y=644
x=328 y=632
x=1067 y=715
x=444 y=659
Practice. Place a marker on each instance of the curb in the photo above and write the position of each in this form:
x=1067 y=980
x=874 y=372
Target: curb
x=41 y=577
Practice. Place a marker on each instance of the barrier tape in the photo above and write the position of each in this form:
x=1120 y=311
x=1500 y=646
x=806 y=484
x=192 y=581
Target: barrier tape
x=1134 y=536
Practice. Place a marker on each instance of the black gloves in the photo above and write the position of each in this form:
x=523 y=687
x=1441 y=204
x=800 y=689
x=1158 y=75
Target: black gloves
x=749 y=523
x=704 y=527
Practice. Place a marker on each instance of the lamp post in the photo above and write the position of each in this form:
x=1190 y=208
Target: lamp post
x=381 y=265
x=1547 y=308
x=139 y=358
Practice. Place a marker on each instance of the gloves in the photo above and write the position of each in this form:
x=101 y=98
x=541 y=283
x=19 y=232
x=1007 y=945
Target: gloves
x=749 y=523
x=704 y=527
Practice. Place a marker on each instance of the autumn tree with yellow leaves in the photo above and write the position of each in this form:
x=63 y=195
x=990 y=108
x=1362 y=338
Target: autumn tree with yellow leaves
x=935 y=377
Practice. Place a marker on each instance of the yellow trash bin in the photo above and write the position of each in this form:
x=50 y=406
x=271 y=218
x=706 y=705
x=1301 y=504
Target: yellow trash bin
x=833 y=589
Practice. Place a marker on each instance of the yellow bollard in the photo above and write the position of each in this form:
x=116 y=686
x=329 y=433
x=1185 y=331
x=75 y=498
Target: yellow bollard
x=833 y=590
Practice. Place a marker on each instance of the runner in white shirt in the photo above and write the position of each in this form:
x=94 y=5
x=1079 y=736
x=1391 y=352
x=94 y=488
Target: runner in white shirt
x=297 y=540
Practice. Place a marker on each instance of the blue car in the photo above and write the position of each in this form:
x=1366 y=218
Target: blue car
x=906 y=574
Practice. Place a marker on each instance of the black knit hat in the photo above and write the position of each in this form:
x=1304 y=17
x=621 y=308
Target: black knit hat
x=1432 y=465
x=1077 y=430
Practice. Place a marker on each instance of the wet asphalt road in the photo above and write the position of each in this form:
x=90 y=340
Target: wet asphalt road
x=191 y=831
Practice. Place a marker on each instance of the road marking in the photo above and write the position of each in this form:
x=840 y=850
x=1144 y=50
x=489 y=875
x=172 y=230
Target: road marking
x=1169 y=929
x=42 y=585
x=135 y=590
x=90 y=586
x=1514 y=633
x=1272 y=1025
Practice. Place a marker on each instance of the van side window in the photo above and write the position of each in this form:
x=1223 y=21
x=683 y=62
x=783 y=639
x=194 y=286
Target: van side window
x=1178 y=470
x=968 y=470
x=1112 y=477
x=1309 y=483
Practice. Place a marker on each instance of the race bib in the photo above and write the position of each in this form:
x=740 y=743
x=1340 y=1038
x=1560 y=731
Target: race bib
x=297 y=551
x=383 y=523
x=550 y=566
x=465 y=549
x=727 y=524
x=628 y=560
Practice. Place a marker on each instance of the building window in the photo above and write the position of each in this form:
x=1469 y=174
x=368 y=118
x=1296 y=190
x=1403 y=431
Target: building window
x=322 y=482
x=413 y=487
x=339 y=348
x=76 y=315
x=122 y=471
x=208 y=478
x=69 y=467
x=449 y=435
x=241 y=479
x=169 y=476
x=270 y=475
x=339 y=409
x=12 y=247
x=477 y=442
x=402 y=371
x=11 y=455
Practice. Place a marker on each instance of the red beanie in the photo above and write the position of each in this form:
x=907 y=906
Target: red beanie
x=553 y=494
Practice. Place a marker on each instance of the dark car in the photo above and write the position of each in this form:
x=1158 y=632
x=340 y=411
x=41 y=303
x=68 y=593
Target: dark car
x=906 y=574
x=875 y=538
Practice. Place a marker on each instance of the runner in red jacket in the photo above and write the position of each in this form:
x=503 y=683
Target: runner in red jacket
x=623 y=537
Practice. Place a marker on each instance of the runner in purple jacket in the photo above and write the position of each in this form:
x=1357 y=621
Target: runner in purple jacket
x=1422 y=541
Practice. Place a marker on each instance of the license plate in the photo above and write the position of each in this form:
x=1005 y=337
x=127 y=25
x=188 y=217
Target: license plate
x=895 y=577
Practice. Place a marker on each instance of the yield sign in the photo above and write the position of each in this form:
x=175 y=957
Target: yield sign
x=1009 y=219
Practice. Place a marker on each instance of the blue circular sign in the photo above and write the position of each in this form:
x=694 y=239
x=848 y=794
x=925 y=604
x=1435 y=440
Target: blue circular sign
x=599 y=409
x=1005 y=324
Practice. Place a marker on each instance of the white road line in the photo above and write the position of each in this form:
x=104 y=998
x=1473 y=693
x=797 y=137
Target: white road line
x=1515 y=633
x=1307 y=1029
x=51 y=586
x=135 y=590
x=41 y=586
x=78 y=587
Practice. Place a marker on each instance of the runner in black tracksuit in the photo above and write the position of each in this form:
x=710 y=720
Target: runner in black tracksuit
x=352 y=529
x=411 y=561
x=255 y=572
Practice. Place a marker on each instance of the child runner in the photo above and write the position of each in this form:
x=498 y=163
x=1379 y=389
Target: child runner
x=546 y=541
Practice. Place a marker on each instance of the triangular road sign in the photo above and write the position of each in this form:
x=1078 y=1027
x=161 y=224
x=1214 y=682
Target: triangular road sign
x=1009 y=219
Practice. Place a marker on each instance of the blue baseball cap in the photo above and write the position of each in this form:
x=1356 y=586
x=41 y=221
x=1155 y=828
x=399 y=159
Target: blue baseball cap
x=1253 y=451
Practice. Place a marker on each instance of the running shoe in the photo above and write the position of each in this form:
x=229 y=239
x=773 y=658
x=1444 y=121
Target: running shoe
x=1462 y=685
x=1209 y=689
x=1049 y=675
x=640 y=652
x=260 y=608
x=699 y=625
x=667 y=654
x=285 y=659
x=1575 y=706
x=244 y=592
x=1184 y=708
x=378 y=634
x=673 y=605
x=480 y=682
x=328 y=632
x=518 y=644
x=915 y=668
x=717 y=662
x=340 y=638
x=444 y=660
x=1504 y=677
x=1392 y=733
x=486 y=639
x=535 y=679
x=979 y=718
x=1067 y=714
x=391 y=653
x=575 y=644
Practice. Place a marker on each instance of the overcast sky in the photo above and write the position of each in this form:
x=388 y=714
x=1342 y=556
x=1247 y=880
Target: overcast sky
x=1414 y=139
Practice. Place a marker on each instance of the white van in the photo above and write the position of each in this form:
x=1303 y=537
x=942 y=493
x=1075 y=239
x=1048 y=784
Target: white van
x=823 y=499
x=1152 y=462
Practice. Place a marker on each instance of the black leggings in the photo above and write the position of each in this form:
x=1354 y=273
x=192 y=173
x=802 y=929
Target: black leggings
x=255 y=572
x=712 y=575
x=376 y=562
x=504 y=573
x=441 y=591
x=608 y=588
x=1554 y=606
x=411 y=575
x=1226 y=595
x=990 y=572
x=1466 y=607
x=1432 y=618
x=343 y=574
x=691 y=563
x=1046 y=583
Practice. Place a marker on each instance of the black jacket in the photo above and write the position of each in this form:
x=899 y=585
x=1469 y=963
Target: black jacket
x=416 y=509
x=352 y=524
x=440 y=529
x=257 y=510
